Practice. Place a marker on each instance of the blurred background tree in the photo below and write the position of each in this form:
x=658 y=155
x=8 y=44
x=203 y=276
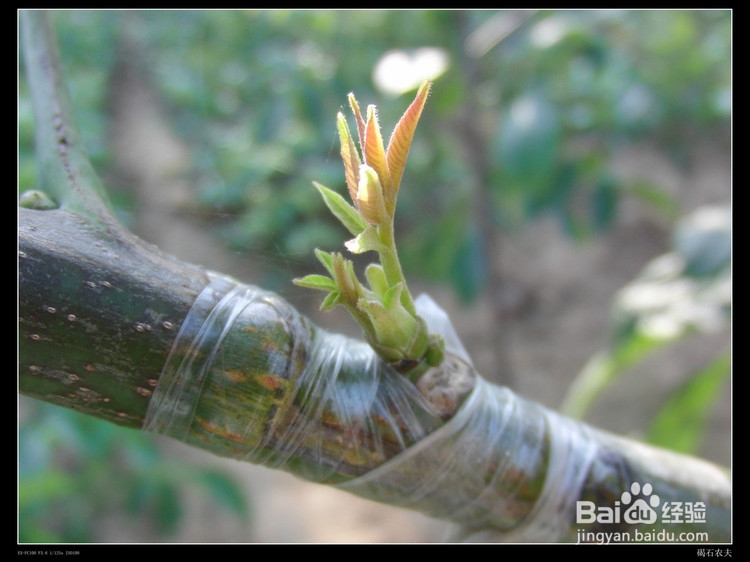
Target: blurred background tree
x=528 y=111
x=528 y=108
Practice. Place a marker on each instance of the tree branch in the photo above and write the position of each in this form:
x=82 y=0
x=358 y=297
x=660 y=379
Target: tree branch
x=250 y=378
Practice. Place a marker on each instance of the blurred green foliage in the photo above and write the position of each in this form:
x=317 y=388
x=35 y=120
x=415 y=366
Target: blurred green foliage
x=524 y=121
x=684 y=292
x=77 y=472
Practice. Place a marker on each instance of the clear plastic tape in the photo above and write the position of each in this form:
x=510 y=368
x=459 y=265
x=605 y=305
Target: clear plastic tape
x=172 y=407
x=249 y=378
x=483 y=466
x=316 y=404
x=506 y=469
x=485 y=461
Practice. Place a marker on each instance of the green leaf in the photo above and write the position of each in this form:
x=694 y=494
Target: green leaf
x=393 y=295
x=225 y=491
x=656 y=197
x=469 y=271
x=326 y=259
x=332 y=299
x=346 y=213
x=392 y=328
x=605 y=367
x=320 y=282
x=167 y=508
x=604 y=202
x=376 y=278
x=46 y=486
x=680 y=423
x=346 y=279
x=367 y=240
x=528 y=142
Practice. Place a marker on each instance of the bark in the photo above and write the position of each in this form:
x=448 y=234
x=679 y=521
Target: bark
x=98 y=312
x=111 y=326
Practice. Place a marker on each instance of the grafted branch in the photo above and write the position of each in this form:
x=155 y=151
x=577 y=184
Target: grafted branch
x=112 y=327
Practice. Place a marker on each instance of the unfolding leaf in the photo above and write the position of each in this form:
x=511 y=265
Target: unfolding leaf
x=349 y=155
x=346 y=279
x=376 y=278
x=370 y=197
x=366 y=241
x=320 y=282
x=358 y=118
x=332 y=299
x=393 y=326
x=342 y=210
x=374 y=152
x=326 y=259
x=400 y=142
x=393 y=295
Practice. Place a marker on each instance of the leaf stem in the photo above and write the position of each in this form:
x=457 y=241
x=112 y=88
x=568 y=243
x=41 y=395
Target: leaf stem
x=392 y=266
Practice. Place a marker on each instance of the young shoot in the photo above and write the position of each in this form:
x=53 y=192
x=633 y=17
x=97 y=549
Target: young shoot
x=384 y=307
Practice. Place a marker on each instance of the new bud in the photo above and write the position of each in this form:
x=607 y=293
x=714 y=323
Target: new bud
x=370 y=201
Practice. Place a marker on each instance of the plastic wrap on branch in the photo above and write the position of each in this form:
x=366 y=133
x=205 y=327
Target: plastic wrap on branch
x=250 y=378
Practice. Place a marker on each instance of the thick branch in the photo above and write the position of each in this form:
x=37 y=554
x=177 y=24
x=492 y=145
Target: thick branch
x=98 y=312
x=99 y=318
